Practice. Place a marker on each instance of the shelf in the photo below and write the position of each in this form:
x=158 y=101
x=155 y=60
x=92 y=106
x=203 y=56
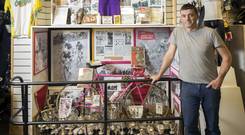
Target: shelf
x=103 y=26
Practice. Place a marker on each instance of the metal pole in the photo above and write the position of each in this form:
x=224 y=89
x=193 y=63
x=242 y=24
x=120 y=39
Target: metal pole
x=169 y=93
x=182 y=127
x=24 y=95
x=105 y=109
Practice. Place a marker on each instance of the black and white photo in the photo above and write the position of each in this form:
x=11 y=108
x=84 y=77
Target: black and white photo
x=69 y=52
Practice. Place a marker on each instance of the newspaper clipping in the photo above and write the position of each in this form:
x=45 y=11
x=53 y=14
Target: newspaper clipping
x=113 y=45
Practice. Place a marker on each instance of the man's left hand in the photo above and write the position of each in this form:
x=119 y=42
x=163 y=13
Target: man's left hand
x=215 y=84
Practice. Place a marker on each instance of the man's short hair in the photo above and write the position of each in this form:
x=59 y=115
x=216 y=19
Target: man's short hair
x=189 y=6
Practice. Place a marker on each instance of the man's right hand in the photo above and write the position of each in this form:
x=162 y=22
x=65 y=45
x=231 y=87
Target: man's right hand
x=155 y=78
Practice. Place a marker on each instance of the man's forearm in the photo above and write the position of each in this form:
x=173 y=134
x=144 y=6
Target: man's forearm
x=225 y=66
x=167 y=60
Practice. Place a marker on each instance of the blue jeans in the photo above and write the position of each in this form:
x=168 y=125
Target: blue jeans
x=192 y=96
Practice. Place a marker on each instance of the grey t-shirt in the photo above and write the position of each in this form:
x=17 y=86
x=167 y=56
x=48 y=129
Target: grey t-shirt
x=196 y=53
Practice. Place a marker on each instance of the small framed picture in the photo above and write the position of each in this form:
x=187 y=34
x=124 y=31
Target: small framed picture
x=117 y=19
x=106 y=19
x=40 y=51
x=89 y=19
x=65 y=105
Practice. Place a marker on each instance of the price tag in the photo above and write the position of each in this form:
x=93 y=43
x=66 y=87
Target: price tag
x=96 y=100
x=136 y=111
x=159 y=108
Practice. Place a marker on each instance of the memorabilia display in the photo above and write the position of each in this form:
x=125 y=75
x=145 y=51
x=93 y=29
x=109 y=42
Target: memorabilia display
x=122 y=12
x=40 y=51
x=126 y=49
x=69 y=52
x=76 y=12
x=72 y=100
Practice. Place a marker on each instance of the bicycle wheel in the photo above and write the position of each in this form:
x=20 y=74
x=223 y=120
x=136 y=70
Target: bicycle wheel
x=145 y=100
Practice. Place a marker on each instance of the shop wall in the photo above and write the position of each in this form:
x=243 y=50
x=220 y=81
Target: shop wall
x=237 y=48
x=21 y=66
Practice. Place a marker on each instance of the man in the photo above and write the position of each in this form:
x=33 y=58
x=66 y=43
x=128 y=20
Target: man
x=200 y=81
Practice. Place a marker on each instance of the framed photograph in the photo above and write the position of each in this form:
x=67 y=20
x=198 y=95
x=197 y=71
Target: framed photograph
x=65 y=106
x=40 y=51
x=69 y=52
x=112 y=44
x=155 y=42
x=106 y=19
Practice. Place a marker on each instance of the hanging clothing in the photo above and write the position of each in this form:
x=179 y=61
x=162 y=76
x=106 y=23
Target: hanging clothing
x=109 y=7
x=23 y=13
x=5 y=43
x=213 y=10
x=2 y=4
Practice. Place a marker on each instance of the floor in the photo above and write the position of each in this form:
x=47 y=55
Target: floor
x=4 y=127
x=4 y=116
